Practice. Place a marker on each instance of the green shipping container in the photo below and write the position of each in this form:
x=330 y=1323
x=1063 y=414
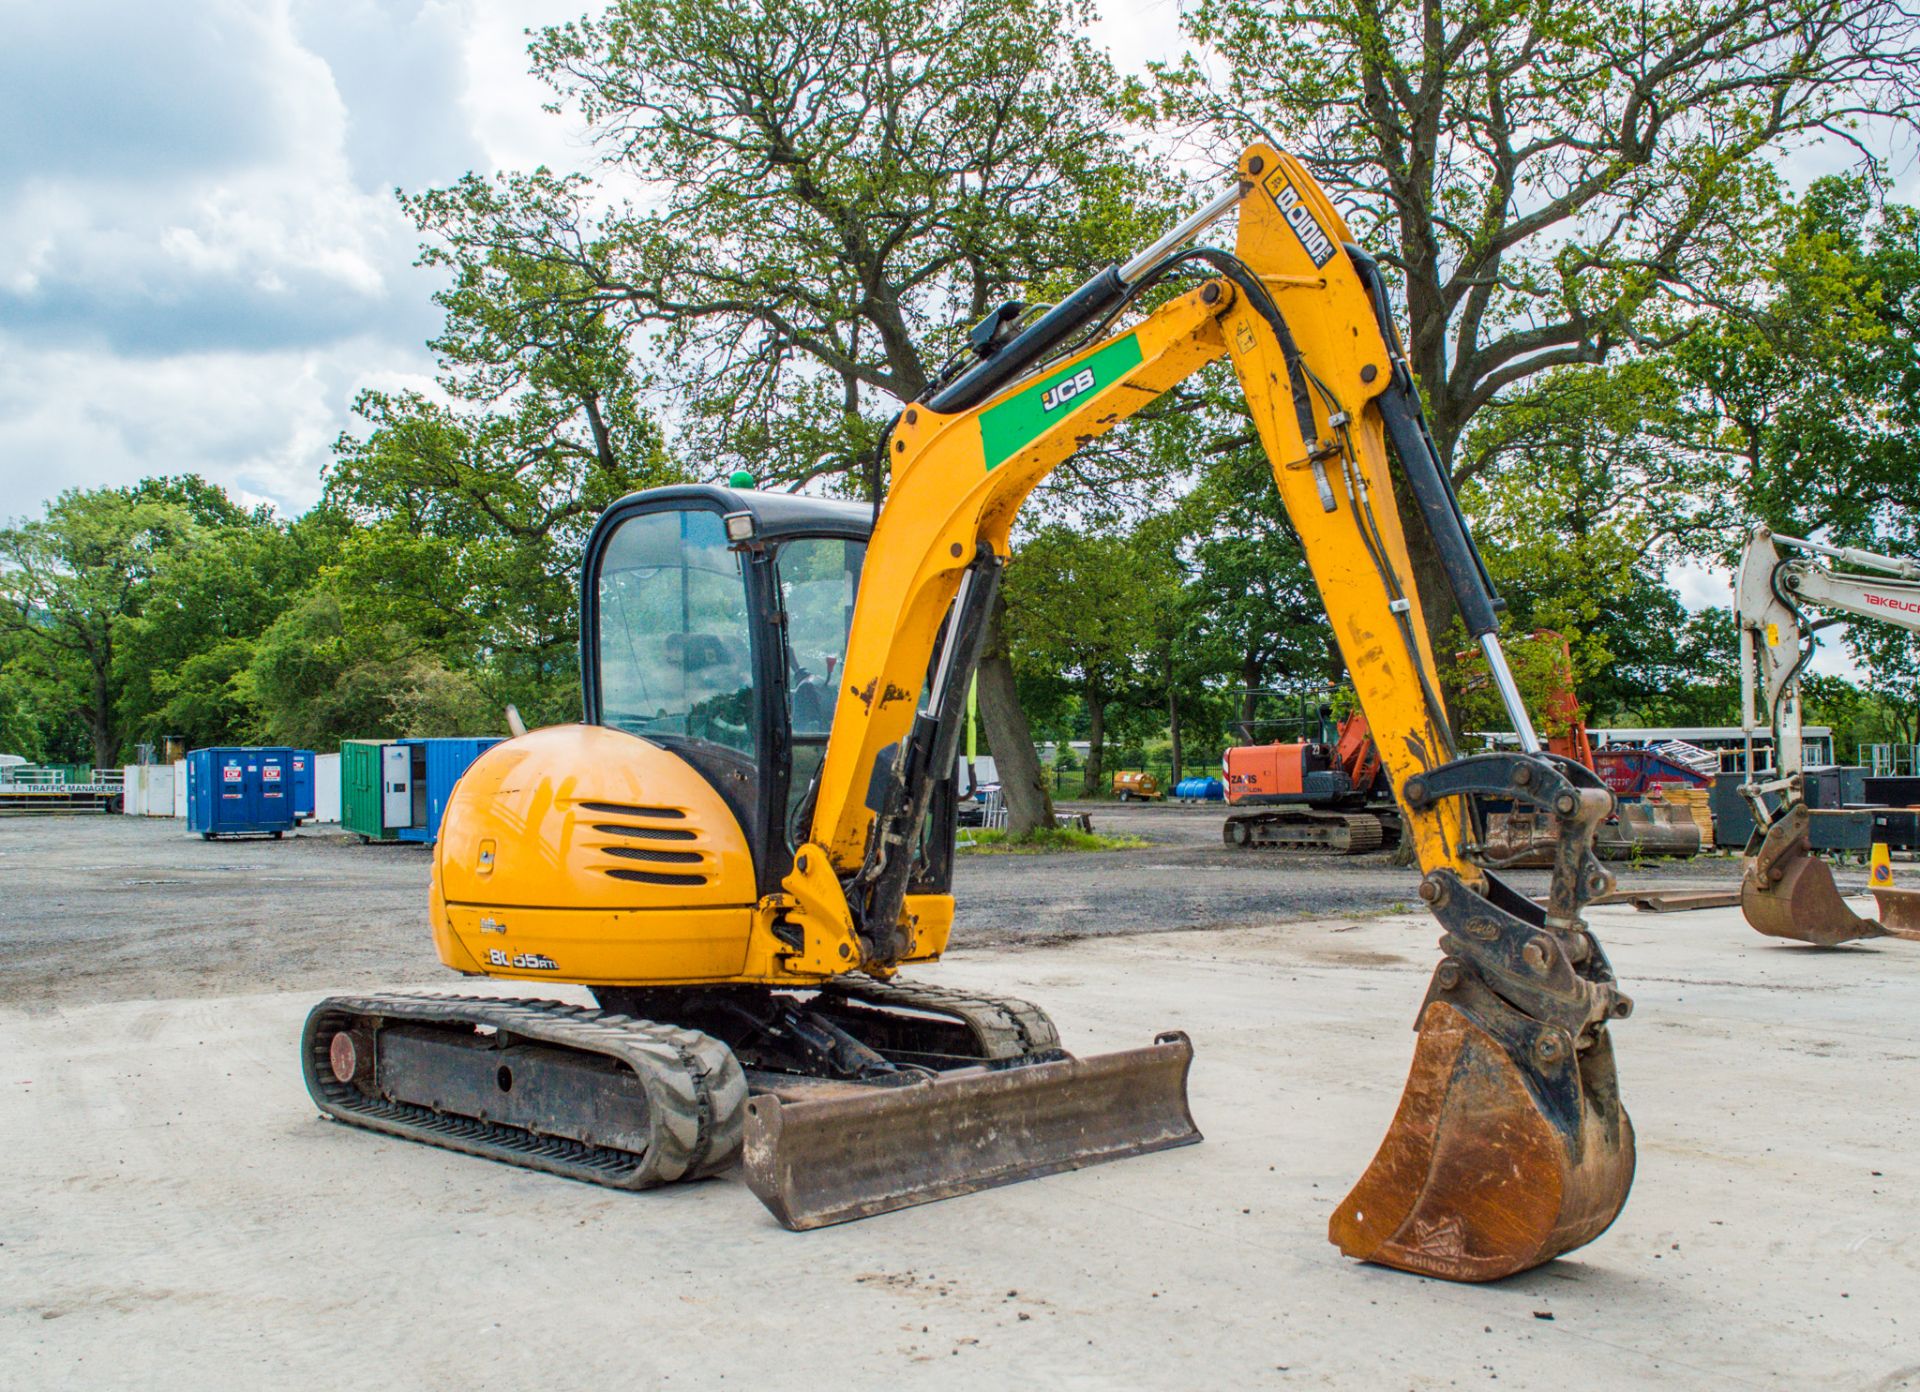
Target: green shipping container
x=360 y=789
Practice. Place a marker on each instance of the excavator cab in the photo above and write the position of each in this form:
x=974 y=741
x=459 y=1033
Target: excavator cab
x=713 y=623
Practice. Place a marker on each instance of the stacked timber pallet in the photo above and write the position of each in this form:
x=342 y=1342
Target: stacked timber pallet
x=1694 y=801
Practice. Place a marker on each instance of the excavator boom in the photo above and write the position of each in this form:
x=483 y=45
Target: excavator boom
x=1510 y=1145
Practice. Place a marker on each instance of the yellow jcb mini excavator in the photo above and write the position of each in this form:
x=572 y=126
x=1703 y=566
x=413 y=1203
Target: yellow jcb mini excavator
x=751 y=833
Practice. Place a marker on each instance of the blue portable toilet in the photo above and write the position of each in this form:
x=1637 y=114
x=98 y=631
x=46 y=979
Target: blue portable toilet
x=240 y=792
x=302 y=785
x=435 y=765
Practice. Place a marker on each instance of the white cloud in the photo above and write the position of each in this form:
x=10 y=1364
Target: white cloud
x=201 y=260
x=502 y=99
x=260 y=423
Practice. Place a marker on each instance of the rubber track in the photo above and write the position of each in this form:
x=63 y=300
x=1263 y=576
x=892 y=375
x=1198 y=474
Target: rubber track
x=1340 y=833
x=696 y=1090
x=1003 y=1027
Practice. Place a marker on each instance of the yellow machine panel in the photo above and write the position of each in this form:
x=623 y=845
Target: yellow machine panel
x=580 y=853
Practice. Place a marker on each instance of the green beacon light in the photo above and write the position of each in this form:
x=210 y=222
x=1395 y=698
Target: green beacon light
x=740 y=478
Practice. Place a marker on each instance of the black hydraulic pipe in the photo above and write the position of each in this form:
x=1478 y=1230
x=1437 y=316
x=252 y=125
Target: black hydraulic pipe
x=926 y=757
x=1406 y=423
x=1086 y=305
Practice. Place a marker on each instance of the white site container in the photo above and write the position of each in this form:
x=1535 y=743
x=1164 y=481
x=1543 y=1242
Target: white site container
x=326 y=787
x=149 y=790
x=163 y=790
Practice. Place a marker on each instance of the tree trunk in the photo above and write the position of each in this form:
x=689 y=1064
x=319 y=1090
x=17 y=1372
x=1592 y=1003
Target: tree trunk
x=1096 y=737
x=1023 y=782
x=106 y=748
x=1249 y=686
x=1173 y=738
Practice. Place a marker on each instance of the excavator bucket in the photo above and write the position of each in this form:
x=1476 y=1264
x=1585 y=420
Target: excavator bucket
x=828 y=1155
x=1788 y=891
x=1525 y=839
x=1521 y=838
x=1653 y=828
x=1498 y=1158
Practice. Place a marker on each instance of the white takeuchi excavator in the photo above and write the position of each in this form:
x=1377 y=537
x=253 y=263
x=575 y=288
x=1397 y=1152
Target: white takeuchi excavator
x=1787 y=891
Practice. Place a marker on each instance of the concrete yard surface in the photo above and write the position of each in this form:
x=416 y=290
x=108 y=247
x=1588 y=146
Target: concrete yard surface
x=179 y=1216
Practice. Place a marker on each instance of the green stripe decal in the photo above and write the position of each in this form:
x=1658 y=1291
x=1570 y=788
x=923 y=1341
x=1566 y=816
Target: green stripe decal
x=1018 y=421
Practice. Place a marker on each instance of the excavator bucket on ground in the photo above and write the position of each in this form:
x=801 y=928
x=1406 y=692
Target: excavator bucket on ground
x=1510 y=1145
x=1788 y=891
x=1494 y=1163
x=1525 y=839
x=826 y=1154
x=1650 y=828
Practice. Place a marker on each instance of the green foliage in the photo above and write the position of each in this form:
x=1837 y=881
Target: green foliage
x=830 y=189
x=1091 y=612
x=1541 y=669
x=1045 y=841
x=469 y=513
x=72 y=584
x=1859 y=716
x=314 y=681
x=1543 y=177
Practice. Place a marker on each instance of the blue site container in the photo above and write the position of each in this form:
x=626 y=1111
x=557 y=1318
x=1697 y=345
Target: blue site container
x=303 y=785
x=240 y=792
x=1200 y=790
x=436 y=766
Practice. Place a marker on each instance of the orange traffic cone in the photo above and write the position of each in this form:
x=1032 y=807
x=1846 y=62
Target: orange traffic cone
x=1880 y=867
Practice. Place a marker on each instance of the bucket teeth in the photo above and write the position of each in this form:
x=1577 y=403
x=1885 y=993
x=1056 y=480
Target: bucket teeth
x=836 y=1157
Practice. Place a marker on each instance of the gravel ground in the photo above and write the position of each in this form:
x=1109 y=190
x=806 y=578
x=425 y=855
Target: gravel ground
x=129 y=908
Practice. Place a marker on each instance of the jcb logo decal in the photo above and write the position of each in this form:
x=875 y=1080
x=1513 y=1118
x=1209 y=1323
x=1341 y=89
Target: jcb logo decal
x=1060 y=393
x=1300 y=218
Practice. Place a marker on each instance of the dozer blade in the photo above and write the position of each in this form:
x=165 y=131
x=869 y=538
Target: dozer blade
x=870 y=1150
x=1788 y=891
x=1899 y=912
x=1494 y=1163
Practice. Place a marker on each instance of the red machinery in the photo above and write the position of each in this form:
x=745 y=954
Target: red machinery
x=1639 y=825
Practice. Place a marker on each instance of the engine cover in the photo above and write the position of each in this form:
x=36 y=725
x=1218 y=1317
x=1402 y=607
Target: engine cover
x=579 y=853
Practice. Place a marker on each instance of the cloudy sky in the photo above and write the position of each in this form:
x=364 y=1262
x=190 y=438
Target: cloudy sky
x=200 y=257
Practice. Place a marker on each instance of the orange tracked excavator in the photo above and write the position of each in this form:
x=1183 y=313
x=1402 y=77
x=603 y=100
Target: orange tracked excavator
x=1330 y=794
x=744 y=852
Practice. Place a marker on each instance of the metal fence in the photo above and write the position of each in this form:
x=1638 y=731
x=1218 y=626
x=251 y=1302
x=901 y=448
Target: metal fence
x=1892 y=760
